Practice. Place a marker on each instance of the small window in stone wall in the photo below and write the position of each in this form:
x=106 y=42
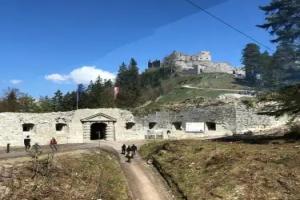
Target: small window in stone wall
x=129 y=125
x=211 y=126
x=152 y=125
x=177 y=125
x=28 y=127
x=60 y=127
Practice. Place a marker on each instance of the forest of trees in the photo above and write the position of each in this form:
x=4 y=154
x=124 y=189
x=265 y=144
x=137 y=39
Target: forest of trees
x=134 y=89
x=271 y=71
x=283 y=67
x=283 y=21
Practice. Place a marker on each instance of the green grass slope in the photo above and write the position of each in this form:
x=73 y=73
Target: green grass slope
x=207 y=87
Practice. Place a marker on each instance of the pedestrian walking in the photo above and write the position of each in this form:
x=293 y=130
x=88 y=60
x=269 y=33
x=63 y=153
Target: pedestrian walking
x=27 y=142
x=128 y=153
x=123 y=149
x=133 y=149
x=53 y=144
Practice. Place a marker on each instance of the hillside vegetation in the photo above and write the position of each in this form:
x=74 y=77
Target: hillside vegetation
x=194 y=90
x=228 y=170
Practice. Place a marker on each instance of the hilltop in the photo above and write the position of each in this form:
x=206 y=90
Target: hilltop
x=185 y=90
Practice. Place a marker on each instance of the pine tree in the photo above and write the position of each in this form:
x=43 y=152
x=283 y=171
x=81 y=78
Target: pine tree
x=95 y=93
x=57 y=100
x=108 y=93
x=69 y=101
x=283 y=65
x=128 y=82
x=265 y=68
x=11 y=100
x=133 y=81
x=283 y=20
x=82 y=96
x=27 y=104
x=251 y=60
x=45 y=104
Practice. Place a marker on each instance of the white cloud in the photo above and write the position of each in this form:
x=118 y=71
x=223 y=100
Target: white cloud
x=84 y=75
x=15 y=81
x=57 y=78
x=87 y=73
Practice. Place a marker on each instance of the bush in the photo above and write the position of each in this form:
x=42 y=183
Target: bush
x=294 y=132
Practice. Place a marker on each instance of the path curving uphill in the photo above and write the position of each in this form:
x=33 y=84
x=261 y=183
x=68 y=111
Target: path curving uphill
x=143 y=181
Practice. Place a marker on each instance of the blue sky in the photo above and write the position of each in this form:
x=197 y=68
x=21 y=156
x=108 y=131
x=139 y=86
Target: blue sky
x=49 y=45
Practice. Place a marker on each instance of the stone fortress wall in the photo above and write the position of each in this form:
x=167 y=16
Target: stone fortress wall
x=219 y=120
x=66 y=127
x=87 y=125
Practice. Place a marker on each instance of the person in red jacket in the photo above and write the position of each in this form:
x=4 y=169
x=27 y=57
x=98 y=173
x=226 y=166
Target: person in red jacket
x=53 y=144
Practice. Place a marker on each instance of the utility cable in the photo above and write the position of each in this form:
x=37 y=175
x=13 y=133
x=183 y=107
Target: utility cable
x=227 y=24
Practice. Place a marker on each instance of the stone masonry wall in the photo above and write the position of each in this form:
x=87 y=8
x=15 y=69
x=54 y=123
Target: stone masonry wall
x=222 y=115
x=248 y=119
x=45 y=126
x=230 y=118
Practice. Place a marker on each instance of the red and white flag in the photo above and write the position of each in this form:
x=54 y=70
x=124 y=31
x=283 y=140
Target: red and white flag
x=116 y=92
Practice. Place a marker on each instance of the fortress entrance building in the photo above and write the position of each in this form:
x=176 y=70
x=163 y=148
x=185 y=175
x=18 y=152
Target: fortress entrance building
x=98 y=127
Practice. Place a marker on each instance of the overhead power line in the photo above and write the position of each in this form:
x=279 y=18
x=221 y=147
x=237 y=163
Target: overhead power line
x=227 y=24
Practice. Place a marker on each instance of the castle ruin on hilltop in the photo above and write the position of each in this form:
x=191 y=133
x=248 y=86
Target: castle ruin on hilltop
x=196 y=64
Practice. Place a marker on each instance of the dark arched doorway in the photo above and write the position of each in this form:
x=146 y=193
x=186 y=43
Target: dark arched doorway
x=98 y=131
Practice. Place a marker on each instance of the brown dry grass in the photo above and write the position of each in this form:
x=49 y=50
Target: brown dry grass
x=91 y=175
x=228 y=170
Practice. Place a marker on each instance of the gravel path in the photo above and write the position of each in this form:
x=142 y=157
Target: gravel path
x=143 y=180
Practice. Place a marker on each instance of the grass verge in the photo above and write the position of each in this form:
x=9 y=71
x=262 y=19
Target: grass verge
x=228 y=170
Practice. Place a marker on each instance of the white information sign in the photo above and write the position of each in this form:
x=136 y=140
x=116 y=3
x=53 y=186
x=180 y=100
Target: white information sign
x=194 y=127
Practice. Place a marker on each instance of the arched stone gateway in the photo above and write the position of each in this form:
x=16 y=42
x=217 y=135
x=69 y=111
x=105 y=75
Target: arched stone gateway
x=98 y=131
x=98 y=127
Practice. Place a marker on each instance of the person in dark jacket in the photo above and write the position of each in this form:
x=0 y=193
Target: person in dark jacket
x=133 y=149
x=27 y=141
x=128 y=153
x=123 y=149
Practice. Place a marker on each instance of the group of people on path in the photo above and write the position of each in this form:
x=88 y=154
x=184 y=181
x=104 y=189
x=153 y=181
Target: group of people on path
x=27 y=144
x=129 y=151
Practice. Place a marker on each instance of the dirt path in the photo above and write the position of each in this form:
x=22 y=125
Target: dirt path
x=143 y=181
x=217 y=89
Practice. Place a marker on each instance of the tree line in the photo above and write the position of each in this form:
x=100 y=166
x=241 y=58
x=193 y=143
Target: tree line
x=134 y=88
x=283 y=21
x=271 y=71
x=283 y=67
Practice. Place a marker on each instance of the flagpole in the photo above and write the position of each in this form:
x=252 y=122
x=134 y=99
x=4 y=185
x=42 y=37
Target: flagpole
x=77 y=98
